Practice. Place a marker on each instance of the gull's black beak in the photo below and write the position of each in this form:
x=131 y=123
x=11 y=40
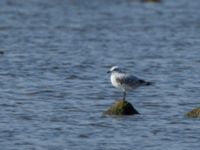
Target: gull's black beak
x=108 y=71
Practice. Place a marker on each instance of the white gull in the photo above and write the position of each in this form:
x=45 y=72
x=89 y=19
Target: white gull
x=123 y=81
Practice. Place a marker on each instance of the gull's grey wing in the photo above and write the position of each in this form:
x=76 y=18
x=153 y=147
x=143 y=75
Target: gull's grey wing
x=131 y=81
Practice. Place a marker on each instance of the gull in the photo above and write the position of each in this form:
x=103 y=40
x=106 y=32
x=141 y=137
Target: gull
x=124 y=81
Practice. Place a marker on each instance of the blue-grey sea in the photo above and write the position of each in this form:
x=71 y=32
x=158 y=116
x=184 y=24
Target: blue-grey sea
x=54 y=55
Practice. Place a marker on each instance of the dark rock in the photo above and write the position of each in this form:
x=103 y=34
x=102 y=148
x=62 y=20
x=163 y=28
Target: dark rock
x=195 y=113
x=121 y=107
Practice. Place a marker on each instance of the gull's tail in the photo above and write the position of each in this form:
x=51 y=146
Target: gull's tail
x=143 y=82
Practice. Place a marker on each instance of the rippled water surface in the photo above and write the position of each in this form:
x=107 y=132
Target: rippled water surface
x=53 y=82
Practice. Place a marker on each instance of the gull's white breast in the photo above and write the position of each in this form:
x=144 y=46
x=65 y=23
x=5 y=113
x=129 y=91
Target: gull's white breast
x=114 y=82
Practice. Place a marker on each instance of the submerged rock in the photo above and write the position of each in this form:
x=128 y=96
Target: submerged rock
x=194 y=113
x=121 y=107
x=1 y=52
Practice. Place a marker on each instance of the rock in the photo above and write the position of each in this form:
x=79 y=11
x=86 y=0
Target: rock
x=195 y=113
x=121 y=107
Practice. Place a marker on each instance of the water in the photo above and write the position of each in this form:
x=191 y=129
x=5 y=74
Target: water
x=54 y=86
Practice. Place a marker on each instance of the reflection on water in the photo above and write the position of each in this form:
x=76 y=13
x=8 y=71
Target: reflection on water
x=54 y=56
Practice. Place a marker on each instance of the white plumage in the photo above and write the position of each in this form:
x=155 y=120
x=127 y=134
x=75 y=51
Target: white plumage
x=123 y=81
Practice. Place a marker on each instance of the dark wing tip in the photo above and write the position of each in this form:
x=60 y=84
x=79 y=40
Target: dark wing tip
x=145 y=82
x=148 y=83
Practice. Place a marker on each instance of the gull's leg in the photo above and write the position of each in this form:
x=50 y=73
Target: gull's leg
x=124 y=96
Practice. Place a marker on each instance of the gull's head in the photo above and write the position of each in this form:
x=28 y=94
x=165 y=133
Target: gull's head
x=114 y=69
